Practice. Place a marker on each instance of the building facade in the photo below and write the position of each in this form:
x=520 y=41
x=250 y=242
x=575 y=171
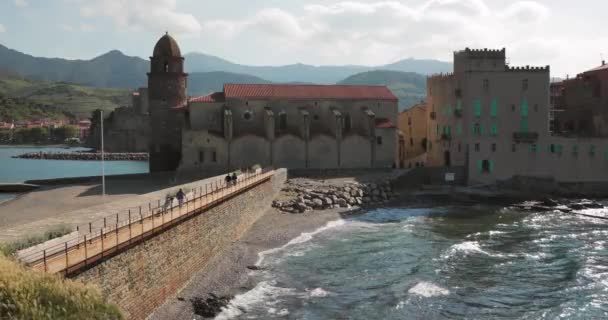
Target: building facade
x=412 y=125
x=291 y=126
x=493 y=119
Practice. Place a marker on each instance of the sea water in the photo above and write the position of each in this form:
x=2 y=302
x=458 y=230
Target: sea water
x=451 y=262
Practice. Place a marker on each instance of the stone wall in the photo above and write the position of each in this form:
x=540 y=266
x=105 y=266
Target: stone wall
x=143 y=277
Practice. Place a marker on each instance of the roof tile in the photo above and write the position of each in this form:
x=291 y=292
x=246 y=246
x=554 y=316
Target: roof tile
x=307 y=92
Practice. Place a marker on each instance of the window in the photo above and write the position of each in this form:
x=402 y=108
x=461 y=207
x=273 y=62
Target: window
x=552 y=148
x=575 y=150
x=606 y=154
x=166 y=67
x=524 y=84
x=430 y=145
x=379 y=140
x=316 y=116
x=477 y=147
x=513 y=107
x=485 y=166
x=411 y=142
x=524 y=125
x=409 y=121
x=459 y=147
x=459 y=129
x=477 y=108
x=493 y=129
x=592 y=150
x=524 y=108
x=437 y=129
x=514 y=148
x=201 y=156
x=493 y=147
x=458 y=93
x=494 y=108
x=283 y=121
x=347 y=123
x=213 y=156
x=486 y=85
x=533 y=148
x=247 y=115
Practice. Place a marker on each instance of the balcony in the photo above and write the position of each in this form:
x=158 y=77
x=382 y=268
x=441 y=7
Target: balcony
x=433 y=115
x=525 y=137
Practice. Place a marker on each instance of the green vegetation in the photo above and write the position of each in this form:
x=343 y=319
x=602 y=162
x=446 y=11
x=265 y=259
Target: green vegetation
x=52 y=233
x=38 y=135
x=409 y=87
x=27 y=294
x=22 y=99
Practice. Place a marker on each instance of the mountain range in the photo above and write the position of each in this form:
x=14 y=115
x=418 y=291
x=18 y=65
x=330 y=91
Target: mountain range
x=116 y=70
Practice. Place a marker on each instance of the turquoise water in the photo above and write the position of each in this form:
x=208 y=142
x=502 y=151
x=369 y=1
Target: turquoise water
x=436 y=263
x=19 y=170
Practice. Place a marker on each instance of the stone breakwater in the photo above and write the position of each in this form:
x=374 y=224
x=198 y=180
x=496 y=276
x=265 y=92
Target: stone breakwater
x=92 y=156
x=322 y=197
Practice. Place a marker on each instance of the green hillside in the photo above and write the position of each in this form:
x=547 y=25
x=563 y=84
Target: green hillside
x=409 y=87
x=23 y=99
x=201 y=83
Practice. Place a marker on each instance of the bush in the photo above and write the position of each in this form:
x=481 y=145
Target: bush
x=54 y=232
x=27 y=294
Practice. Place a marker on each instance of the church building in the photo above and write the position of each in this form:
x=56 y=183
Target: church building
x=282 y=125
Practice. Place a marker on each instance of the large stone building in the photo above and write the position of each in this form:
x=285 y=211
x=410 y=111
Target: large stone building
x=292 y=126
x=493 y=120
x=412 y=136
x=581 y=104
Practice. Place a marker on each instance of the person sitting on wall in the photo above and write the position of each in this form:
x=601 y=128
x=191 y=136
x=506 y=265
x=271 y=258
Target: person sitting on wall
x=168 y=203
x=180 y=195
x=234 y=178
x=228 y=179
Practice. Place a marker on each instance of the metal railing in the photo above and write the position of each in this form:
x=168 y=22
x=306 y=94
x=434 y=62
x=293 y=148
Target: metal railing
x=94 y=243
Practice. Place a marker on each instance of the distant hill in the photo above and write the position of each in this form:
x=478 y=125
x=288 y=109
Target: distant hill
x=111 y=70
x=116 y=70
x=202 y=83
x=409 y=87
x=24 y=99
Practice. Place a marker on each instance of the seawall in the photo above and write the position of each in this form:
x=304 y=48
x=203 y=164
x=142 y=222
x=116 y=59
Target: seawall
x=143 y=277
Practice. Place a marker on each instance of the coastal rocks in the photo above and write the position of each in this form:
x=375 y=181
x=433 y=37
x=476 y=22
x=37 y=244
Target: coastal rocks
x=548 y=204
x=87 y=156
x=323 y=197
x=209 y=307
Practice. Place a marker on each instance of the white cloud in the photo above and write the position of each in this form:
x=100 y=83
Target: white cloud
x=149 y=15
x=21 y=3
x=83 y=27
x=2 y=28
x=377 y=32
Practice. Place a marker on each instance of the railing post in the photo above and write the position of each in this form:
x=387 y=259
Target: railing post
x=101 y=236
x=117 y=229
x=66 y=256
x=104 y=222
x=44 y=259
x=90 y=227
x=85 y=249
x=130 y=224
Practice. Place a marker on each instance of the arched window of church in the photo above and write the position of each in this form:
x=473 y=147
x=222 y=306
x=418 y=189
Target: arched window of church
x=283 y=121
x=347 y=123
x=166 y=66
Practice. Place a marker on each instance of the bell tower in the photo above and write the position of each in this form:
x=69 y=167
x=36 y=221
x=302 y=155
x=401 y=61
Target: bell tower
x=166 y=90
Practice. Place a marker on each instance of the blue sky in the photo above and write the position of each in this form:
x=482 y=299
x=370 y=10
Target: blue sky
x=564 y=34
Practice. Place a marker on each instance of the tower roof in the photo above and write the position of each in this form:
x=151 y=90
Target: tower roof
x=167 y=47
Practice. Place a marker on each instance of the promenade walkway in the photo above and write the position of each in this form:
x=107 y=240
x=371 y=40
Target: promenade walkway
x=118 y=231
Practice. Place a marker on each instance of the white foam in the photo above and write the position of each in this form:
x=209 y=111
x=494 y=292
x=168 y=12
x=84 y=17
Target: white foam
x=241 y=303
x=427 y=290
x=304 y=237
x=318 y=293
x=466 y=247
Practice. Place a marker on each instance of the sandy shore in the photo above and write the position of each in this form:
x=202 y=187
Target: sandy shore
x=227 y=273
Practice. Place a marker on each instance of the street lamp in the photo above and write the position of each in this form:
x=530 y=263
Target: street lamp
x=103 y=168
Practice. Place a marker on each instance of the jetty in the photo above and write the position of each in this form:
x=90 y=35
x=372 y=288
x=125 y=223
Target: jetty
x=87 y=156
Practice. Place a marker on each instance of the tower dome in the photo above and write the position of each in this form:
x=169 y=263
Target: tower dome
x=167 y=47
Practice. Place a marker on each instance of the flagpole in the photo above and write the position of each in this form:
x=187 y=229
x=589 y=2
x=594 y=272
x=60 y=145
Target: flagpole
x=103 y=167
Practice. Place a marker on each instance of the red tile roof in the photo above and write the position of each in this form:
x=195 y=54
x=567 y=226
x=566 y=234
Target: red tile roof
x=307 y=92
x=602 y=67
x=383 y=123
x=213 y=97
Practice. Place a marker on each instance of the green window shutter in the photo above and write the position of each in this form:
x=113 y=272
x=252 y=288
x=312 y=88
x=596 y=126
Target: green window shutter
x=480 y=129
x=494 y=129
x=477 y=108
x=494 y=108
x=524 y=125
x=473 y=129
x=459 y=129
x=592 y=150
x=524 y=108
x=480 y=166
x=438 y=129
x=533 y=148
x=574 y=149
x=459 y=105
x=491 y=165
x=606 y=154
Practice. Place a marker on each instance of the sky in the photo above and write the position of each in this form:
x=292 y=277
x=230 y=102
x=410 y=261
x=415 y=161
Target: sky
x=567 y=35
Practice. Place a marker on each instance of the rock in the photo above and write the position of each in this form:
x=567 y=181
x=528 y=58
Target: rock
x=342 y=203
x=209 y=307
x=287 y=209
x=375 y=192
x=593 y=205
x=359 y=201
x=347 y=189
x=254 y=268
x=317 y=203
x=334 y=198
x=328 y=201
x=576 y=206
x=366 y=199
x=383 y=195
x=550 y=202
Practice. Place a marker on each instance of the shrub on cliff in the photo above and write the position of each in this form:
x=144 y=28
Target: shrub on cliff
x=27 y=294
x=52 y=233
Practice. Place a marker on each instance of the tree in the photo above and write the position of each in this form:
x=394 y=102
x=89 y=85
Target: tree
x=65 y=132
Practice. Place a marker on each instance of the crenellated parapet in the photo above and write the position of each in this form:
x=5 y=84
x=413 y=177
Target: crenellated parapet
x=527 y=69
x=483 y=53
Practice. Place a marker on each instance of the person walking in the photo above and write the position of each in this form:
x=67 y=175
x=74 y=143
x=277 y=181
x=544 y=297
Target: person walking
x=234 y=178
x=228 y=179
x=168 y=203
x=180 y=195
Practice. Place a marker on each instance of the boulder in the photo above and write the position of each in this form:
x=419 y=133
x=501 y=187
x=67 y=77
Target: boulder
x=327 y=201
x=550 y=202
x=342 y=203
x=317 y=203
x=375 y=192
